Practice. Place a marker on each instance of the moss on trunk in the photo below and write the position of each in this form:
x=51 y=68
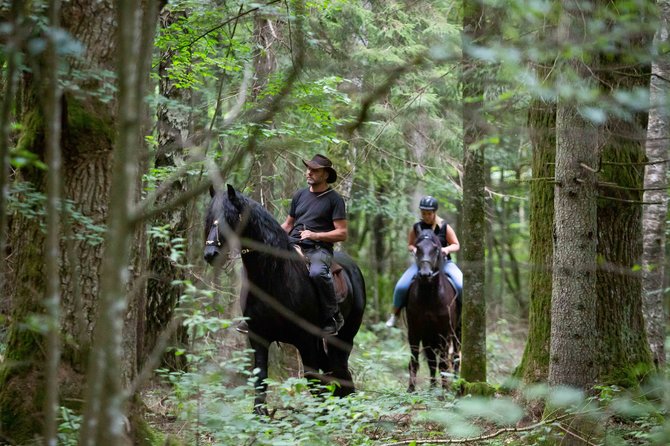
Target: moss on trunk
x=21 y=379
x=534 y=365
x=87 y=131
x=623 y=354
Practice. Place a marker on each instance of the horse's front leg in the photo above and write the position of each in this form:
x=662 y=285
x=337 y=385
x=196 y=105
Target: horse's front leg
x=431 y=357
x=445 y=363
x=413 y=366
x=260 y=364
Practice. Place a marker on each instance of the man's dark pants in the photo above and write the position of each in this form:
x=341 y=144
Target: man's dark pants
x=320 y=260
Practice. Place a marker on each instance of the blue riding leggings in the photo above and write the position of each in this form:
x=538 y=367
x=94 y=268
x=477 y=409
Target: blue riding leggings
x=402 y=287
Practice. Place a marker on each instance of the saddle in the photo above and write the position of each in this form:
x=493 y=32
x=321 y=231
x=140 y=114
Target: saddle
x=340 y=282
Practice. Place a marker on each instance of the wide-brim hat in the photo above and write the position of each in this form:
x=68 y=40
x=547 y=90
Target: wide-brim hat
x=321 y=162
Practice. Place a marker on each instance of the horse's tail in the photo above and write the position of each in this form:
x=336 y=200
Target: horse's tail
x=357 y=296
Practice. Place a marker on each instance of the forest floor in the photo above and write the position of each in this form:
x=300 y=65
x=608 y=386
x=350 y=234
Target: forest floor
x=378 y=363
x=211 y=404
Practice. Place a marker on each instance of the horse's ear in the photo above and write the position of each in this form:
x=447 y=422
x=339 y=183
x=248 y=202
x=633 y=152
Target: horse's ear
x=232 y=195
x=212 y=191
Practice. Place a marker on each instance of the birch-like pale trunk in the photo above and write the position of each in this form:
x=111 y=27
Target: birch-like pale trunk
x=106 y=401
x=52 y=115
x=655 y=195
x=266 y=37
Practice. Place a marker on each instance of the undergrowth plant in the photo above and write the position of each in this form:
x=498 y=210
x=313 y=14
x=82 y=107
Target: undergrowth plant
x=215 y=409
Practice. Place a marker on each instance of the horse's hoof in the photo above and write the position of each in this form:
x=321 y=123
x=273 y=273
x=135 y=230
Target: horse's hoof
x=261 y=410
x=410 y=389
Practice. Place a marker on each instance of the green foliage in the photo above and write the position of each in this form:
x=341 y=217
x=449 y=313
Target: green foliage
x=68 y=427
x=25 y=200
x=210 y=403
x=409 y=145
x=164 y=239
x=25 y=153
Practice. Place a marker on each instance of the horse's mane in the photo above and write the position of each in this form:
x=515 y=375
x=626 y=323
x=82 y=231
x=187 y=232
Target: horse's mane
x=252 y=221
x=428 y=234
x=275 y=258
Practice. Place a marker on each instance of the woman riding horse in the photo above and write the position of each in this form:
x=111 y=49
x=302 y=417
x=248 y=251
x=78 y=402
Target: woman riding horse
x=429 y=220
x=432 y=313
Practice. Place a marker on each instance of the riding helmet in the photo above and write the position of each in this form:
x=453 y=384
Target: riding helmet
x=428 y=203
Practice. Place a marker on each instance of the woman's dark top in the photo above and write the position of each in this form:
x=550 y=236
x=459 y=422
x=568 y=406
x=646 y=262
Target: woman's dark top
x=440 y=231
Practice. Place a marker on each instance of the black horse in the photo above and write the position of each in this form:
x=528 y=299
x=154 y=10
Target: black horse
x=282 y=304
x=432 y=314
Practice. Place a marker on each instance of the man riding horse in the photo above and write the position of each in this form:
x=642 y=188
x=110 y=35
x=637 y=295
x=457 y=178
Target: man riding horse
x=317 y=220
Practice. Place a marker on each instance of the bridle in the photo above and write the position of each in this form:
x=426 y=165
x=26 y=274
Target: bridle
x=434 y=272
x=217 y=241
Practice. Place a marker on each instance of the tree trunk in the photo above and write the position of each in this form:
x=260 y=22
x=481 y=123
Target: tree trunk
x=473 y=366
x=534 y=365
x=86 y=144
x=162 y=292
x=655 y=195
x=623 y=355
x=379 y=255
x=265 y=63
x=88 y=132
x=9 y=86
x=52 y=110
x=113 y=359
x=572 y=300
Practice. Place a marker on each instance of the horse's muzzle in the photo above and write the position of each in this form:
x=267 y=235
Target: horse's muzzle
x=426 y=277
x=211 y=253
x=426 y=271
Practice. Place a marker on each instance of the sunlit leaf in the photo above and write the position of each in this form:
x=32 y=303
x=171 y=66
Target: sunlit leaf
x=566 y=397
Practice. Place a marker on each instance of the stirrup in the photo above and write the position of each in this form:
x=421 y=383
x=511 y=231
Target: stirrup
x=333 y=325
x=242 y=327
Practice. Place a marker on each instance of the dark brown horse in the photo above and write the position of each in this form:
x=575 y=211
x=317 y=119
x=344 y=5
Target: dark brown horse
x=282 y=304
x=431 y=312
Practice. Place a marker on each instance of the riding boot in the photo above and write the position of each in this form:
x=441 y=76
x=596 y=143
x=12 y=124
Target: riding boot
x=393 y=318
x=330 y=310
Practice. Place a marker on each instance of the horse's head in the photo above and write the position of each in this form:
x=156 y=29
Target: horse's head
x=222 y=222
x=237 y=220
x=428 y=255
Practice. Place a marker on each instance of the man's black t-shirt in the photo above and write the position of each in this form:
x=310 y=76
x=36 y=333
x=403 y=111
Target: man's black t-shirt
x=315 y=211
